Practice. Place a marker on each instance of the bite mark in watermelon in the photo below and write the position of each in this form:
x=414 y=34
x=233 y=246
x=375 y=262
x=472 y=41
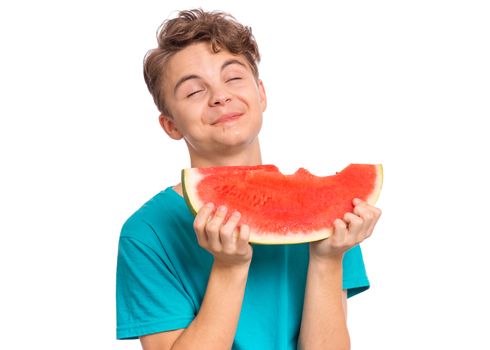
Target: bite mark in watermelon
x=283 y=209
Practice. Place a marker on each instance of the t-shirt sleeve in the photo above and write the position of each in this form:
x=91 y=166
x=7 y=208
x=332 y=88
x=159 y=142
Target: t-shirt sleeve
x=355 y=279
x=149 y=297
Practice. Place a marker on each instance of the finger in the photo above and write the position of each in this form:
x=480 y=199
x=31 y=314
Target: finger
x=228 y=233
x=354 y=224
x=376 y=211
x=340 y=231
x=213 y=227
x=357 y=201
x=200 y=221
x=365 y=212
x=370 y=213
x=376 y=214
x=242 y=244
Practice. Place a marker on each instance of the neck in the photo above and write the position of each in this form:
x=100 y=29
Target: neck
x=249 y=156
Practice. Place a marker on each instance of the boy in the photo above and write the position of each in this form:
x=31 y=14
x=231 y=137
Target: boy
x=196 y=283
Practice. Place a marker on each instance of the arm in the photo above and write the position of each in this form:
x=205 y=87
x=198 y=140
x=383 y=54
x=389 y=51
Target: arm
x=215 y=324
x=324 y=323
x=324 y=315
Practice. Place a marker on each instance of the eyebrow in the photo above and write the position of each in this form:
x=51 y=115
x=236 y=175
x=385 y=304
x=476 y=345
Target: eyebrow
x=195 y=76
x=231 y=61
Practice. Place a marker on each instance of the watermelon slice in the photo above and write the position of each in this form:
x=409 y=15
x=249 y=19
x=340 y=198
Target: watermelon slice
x=282 y=209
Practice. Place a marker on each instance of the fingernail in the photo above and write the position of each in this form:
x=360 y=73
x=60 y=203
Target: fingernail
x=222 y=208
x=210 y=205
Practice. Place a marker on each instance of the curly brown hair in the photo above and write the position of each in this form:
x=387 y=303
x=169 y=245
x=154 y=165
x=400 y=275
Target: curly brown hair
x=220 y=29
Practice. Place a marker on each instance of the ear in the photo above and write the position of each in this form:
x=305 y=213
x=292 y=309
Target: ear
x=262 y=95
x=167 y=124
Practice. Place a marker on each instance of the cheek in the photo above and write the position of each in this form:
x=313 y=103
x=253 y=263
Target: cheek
x=257 y=96
x=259 y=102
x=251 y=96
x=189 y=116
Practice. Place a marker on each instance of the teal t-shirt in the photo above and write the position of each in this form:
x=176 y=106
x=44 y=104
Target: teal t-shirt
x=162 y=275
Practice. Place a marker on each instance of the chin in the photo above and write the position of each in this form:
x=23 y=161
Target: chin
x=243 y=136
x=238 y=142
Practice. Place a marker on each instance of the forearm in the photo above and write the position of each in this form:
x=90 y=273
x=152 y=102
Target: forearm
x=323 y=324
x=215 y=325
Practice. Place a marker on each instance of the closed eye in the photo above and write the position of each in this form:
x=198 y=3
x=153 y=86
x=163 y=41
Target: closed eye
x=234 y=78
x=193 y=93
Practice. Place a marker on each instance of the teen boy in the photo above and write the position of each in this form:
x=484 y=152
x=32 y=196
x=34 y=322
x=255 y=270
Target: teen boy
x=196 y=283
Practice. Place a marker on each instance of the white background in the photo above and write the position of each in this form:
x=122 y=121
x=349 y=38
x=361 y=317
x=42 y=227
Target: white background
x=406 y=84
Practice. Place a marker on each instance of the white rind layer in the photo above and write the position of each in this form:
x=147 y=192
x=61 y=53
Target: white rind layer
x=190 y=179
x=290 y=238
x=373 y=198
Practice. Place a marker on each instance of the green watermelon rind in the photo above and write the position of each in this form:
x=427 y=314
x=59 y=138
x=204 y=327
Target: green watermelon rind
x=192 y=200
x=192 y=176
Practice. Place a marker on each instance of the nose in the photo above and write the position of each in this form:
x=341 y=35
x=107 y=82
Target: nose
x=220 y=98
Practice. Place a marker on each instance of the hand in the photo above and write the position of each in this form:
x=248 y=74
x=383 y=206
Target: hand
x=351 y=230
x=225 y=240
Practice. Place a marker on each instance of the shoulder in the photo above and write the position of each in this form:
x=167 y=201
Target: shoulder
x=164 y=212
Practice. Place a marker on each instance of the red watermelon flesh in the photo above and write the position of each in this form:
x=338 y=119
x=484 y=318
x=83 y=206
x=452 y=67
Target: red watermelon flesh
x=283 y=209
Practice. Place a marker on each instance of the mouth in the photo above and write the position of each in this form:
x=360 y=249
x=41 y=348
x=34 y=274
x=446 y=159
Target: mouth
x=227 y=118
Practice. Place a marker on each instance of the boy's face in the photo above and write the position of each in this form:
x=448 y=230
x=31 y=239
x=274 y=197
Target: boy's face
x=215 y=102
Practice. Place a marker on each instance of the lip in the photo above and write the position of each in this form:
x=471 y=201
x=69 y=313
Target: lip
x=227 y=117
